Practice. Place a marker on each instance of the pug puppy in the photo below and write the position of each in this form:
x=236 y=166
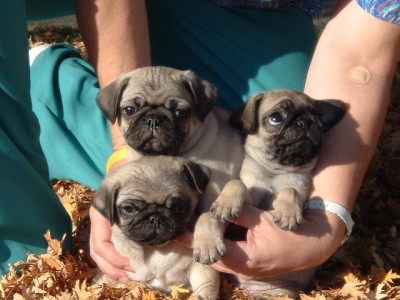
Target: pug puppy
x=165 y=111
x=149 y=202
x=283 y=133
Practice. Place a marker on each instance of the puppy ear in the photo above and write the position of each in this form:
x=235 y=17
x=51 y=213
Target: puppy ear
x=204 y=93
x=246 y=118
x=198 y=175
x=108 y=98
x=331 y=112
x=105 y=200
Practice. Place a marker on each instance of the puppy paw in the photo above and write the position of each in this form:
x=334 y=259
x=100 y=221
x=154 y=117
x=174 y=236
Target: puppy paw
x=225 y=213
x=287 y=209
x=228 y=205
x=209 y=252
x=286 y=219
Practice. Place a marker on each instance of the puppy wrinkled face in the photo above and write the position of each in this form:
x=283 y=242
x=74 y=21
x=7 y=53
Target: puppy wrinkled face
x=291 y=130
x=156 y=112
x=155 y=130
x=152 y=210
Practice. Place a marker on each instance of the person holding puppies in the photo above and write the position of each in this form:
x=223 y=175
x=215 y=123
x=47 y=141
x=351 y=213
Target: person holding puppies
x=242 y=51
x=344 y=66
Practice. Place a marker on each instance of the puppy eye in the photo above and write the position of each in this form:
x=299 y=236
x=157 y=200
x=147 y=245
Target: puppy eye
x=180 y=113
x=129 y=110
x=128 y=209
x=180 y=207
x=275 y=119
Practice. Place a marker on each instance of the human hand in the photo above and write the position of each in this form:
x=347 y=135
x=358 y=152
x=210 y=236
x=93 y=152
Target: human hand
x=103 y=251
x=269 y=251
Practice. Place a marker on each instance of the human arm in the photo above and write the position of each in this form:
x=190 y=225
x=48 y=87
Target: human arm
x=115 y=34
x=352 y=38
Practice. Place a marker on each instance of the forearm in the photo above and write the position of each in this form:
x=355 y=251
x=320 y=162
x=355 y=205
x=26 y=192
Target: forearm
x=353 y=38
x=116 y=37
x=115 y=34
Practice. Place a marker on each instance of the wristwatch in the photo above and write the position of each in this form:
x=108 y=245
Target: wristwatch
x=335 y=208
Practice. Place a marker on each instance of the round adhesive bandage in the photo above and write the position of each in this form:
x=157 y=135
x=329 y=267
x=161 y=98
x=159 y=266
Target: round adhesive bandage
x=359 y=74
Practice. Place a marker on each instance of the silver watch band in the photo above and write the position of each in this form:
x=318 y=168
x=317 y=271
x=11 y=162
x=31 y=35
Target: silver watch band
x=335 y=208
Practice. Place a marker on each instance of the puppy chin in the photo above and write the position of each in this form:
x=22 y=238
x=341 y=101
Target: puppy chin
x=162 y=142
x=295 y=152
x=296 y=158
x=155 y=146
x=153 y=237
x=157 y=242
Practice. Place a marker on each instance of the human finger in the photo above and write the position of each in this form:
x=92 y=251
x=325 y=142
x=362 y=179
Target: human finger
x=249 y=216
x=236 y=260
x=102 y=249
x=110 y=270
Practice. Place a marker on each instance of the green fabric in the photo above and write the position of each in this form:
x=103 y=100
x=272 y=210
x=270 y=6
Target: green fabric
x=75 y=136
x=45 y=9
x=242 y=51
x=28 y=205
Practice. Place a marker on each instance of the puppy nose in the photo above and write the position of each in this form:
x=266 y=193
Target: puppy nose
x=153 y=122
x=156 y=220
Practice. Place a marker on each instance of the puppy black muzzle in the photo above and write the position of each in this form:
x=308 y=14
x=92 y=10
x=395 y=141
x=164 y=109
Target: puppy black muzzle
x=154 y=228
x=152 y=122
x=153 y=133
x=156 y=220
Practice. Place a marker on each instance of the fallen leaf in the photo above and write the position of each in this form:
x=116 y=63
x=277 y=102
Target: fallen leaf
x=390 y=276
x=379 y=292
x=179 y=292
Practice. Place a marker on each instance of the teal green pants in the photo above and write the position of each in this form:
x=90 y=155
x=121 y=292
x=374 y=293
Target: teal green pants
x=28 y=205
x=56 y=130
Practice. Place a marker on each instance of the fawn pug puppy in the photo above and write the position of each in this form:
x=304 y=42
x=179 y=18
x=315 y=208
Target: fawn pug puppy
x=283 y=131
x=149 y=202
x=165 y=111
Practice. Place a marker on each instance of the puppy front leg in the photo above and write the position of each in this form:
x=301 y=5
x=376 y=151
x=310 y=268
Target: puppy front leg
x=229 y=203
x=287 y=209
x=208 y=243
x=204 y=281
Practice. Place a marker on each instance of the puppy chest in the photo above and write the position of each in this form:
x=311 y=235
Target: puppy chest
x=163 y=269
